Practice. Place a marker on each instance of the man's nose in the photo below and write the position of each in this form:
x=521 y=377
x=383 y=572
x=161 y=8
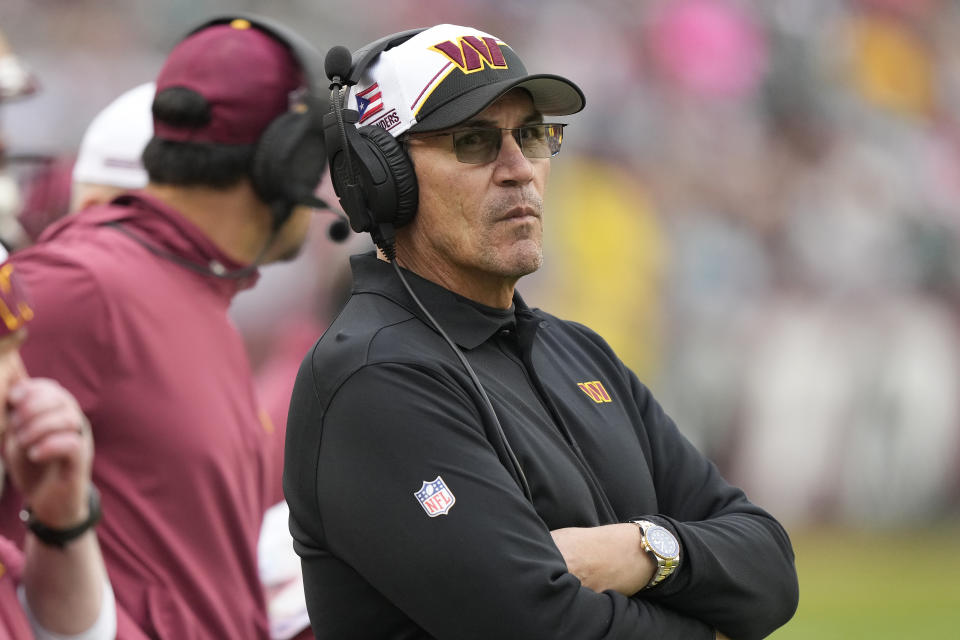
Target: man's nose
x=513 y=166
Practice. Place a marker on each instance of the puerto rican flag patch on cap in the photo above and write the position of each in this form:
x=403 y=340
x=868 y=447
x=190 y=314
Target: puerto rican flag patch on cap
x=369 y=102
x=435 y=497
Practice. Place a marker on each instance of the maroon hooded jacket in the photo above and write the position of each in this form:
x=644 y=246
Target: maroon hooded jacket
x=146 y=346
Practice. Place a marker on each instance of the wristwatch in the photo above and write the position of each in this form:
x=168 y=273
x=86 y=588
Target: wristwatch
x=60 y=537
x=663 y=546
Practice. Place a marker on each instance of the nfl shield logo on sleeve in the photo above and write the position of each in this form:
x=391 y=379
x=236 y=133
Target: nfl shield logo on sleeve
x=435 y=498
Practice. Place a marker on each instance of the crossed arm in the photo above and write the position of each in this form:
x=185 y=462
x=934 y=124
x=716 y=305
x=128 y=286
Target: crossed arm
x=607 y=557
x=734 y=557
x=489 y=568
x=491 y=559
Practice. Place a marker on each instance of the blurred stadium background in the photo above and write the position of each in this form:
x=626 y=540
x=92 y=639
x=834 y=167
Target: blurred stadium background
x=759 y=208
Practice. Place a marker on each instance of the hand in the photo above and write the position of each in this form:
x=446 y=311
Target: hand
x=606 y=557
x=48 y=450
x=720 y=636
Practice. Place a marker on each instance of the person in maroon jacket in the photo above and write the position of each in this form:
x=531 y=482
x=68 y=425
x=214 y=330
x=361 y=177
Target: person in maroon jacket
x=131 y=300
x=57 y=587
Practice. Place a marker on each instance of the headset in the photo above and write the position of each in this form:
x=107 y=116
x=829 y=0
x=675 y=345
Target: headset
x=370 y=171
x=375 y=181
x=290 y=155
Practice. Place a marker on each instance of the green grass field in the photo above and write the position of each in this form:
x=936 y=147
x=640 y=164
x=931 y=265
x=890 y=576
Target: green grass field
x=901 y=584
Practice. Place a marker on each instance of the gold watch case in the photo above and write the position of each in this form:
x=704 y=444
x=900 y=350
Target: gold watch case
x=663 y=546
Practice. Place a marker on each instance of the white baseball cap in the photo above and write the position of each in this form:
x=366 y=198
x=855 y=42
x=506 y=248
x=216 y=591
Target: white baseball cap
x=113 y=143
x=447 y=74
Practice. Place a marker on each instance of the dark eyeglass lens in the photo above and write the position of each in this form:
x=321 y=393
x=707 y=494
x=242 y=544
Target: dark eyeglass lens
x=479 y=146
x=535 y=141
x=476 y=146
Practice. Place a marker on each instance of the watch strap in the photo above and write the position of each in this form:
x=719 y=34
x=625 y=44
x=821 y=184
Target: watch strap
x=60 y=537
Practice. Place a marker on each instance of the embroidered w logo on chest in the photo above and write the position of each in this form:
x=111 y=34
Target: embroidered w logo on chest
x=595 y=390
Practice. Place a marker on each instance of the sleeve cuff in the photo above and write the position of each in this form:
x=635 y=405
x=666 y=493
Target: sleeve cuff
x=104 y=628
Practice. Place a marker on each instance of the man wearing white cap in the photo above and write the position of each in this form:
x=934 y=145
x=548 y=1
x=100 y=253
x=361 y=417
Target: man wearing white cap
x=513 y=479
x=108 y=162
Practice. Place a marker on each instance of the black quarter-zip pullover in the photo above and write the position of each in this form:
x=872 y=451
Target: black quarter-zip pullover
x=410 y=520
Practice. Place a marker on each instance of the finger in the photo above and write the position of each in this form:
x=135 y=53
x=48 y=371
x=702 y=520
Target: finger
x=42 y=398
x=58 y=446
x=20 y=417
x=38 y=395
x=14 y=370
x=15 y=458
x=43 y=425
x=11 y=448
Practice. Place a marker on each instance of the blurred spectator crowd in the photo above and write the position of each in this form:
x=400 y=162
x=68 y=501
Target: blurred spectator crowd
x=759 y=208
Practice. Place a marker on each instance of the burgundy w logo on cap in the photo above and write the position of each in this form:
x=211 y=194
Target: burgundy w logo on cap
x=471 y=53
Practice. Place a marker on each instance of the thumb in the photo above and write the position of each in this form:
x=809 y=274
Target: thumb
x=16 y=378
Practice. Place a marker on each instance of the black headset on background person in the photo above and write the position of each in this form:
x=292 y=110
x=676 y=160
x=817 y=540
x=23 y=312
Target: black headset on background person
x=290 y=155
x=375 y=181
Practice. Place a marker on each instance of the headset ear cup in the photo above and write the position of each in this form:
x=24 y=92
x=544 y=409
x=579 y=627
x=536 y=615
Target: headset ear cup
x=401 y=169
x=263 y=172
x=288 y=161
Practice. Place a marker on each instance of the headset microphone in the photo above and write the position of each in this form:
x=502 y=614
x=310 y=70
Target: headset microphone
x=337 y=64
x=339 y=229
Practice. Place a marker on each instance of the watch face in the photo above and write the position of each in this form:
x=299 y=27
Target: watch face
x=662 y=542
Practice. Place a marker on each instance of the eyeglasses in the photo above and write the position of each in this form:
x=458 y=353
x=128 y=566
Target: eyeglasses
x=482 y=145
